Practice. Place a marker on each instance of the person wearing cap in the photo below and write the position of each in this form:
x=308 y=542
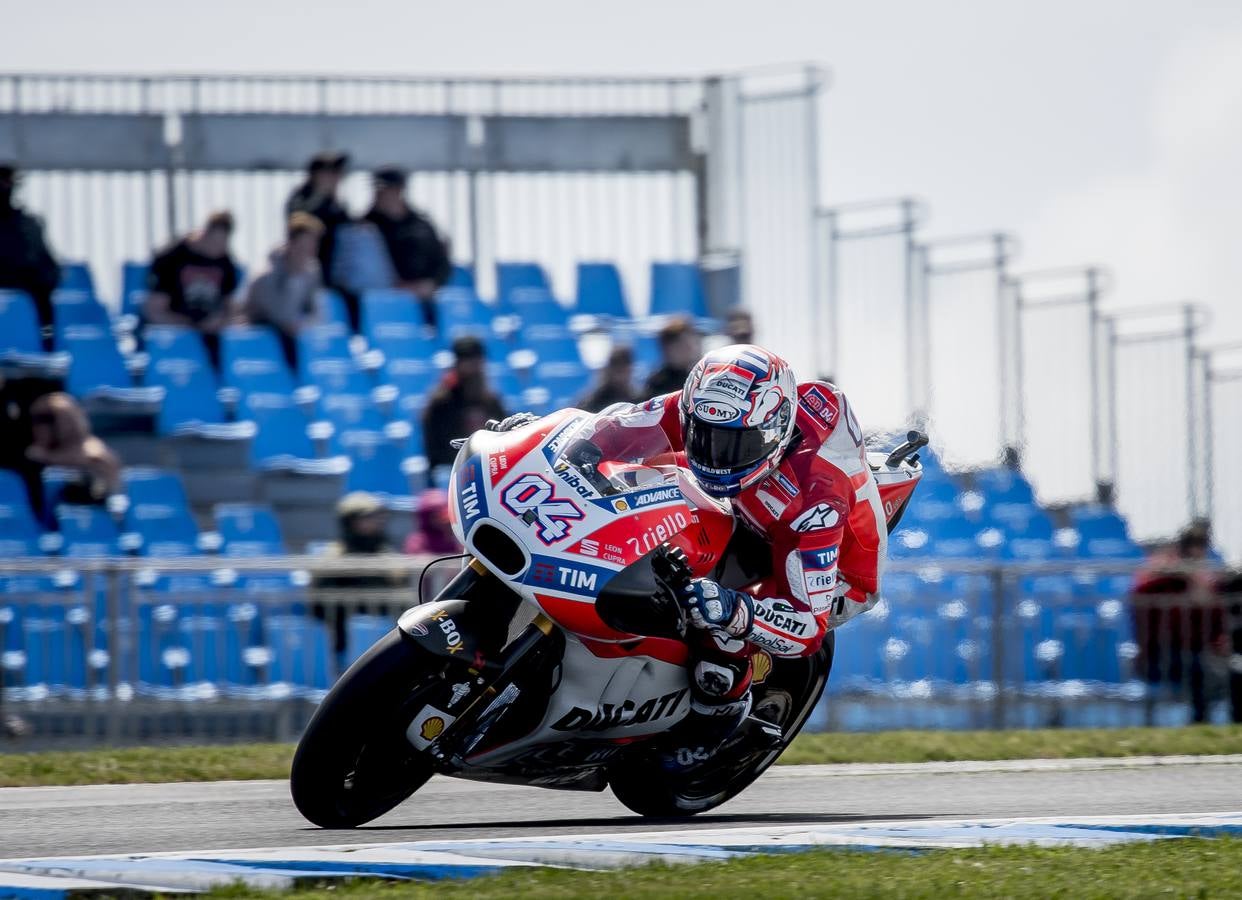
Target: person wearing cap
x=317 y=196
x=461 y=404
x=192 y=282
x=616 y=382
x=26 y=263
x=420 y=257
x=288 y=296
x=362 y=521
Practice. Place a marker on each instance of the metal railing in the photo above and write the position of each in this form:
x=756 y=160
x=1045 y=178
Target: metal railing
x=116 y=650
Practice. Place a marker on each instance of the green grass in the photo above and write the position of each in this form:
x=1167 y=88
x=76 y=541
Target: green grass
x=248 y=761
x=1167 y=869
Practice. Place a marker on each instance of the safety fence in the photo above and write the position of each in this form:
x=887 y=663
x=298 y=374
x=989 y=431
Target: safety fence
x=115 y=651
x=945 y=334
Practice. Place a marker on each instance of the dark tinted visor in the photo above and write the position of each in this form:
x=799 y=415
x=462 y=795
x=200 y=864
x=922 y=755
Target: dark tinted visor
x=714 y=447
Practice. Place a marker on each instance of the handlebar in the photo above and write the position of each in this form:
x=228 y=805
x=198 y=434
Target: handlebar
x=915 y=441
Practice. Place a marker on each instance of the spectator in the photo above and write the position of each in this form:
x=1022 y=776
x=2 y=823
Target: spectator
x=461 y=404
x=363 y=526
x=26 y=264
x=616 y=382
x=420 y=257
x=740 y=326
x=192 y=282
x=1183 y=634
x=433 y=532
x=680 y=348
x=61 y=436
x=317 y=197
x=288 y=296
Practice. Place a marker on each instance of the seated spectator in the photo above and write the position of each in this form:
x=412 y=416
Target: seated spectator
x=1182 y=626
x=433 y=532
x=26 y=264
x=461 y=404
x=192 y=283
x=680 y=348
x=420 y=257
x=616 y=382
x=740 y=326
x=363 y=523
x=288 y=296
x=61 y=436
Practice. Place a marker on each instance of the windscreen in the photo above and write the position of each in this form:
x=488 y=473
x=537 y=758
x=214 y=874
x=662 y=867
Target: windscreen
x=615 y=451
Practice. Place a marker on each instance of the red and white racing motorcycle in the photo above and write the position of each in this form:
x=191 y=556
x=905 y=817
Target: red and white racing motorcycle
x=555 y=658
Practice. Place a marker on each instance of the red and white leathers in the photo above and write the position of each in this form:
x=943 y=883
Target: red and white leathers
x=821 y=513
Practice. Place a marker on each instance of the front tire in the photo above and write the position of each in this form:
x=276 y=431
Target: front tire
x=354 y=762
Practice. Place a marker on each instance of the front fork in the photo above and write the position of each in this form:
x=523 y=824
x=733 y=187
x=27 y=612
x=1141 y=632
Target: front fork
x=468 y=626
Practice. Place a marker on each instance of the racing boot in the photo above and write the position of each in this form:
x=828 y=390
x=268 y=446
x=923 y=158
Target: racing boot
x=708 y=729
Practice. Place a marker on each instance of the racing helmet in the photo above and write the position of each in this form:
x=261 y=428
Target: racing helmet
x=737 y=417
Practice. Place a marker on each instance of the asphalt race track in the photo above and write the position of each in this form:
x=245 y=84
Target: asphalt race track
x=60 y=821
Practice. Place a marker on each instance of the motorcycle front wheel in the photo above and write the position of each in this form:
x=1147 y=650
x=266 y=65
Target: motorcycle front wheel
x=354 y=762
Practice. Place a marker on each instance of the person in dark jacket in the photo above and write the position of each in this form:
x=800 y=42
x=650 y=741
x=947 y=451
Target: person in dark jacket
x=420 y=257
x=26 y=263
x=461 y=404
x=680 y=348
x=616 y=382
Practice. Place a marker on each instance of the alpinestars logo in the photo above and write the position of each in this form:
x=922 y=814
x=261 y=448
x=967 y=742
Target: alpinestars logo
x=819 y=517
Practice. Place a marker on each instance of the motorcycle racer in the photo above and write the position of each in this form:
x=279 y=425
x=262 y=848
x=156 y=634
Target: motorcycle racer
x=789 y=461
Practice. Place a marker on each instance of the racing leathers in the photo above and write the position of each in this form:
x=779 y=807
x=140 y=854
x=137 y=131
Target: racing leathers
x=821 y=514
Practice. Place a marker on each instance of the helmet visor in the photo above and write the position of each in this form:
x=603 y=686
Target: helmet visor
x=719 y=450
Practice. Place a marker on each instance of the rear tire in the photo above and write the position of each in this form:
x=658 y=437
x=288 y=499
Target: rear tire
x=354 y=762
x=643 y=787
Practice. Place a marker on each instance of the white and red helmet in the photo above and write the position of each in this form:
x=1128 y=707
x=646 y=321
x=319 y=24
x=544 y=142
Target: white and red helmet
x=737 y=417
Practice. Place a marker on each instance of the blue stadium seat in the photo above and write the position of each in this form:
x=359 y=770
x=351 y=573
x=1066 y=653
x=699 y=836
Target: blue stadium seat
x=376 y=464
x=513 y=275
x=251 y=360
x=76 y=308
x=335 y=311
x=214 y=644
x=351 y=412
x=55 y=647
x=934 y=502
x=133 y=287
x=537 y=306
x=677 y=289
x=159 y=514
x=76 y=276
x=909 y=542
x=552 y=344
x=300 y=655
x=179 y=365
x=1003 y=485
x=19 y=532
x=1098 y=521
x=248 y=529
x=19 y=325
x=459 y=311
x=412 y=377
x=462 y=276
x=361 y=631
x=600 y=292
x=282 y=439
x=388 y=305
x=97 y=367
x=564 y=382
x=87 y=531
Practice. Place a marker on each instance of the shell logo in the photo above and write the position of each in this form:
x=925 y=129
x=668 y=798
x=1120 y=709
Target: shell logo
x=433 y=727
x=761 y=664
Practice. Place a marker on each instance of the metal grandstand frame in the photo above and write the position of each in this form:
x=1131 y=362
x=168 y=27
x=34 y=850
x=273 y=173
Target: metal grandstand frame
x=556 y=169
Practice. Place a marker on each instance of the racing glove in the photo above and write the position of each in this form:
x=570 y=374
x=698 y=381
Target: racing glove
x=510 y=423
x=711 y=607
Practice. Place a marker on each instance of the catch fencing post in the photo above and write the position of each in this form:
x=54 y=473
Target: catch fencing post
x=999 y=617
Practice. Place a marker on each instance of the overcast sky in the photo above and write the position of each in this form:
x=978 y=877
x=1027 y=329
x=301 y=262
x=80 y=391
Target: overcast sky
x=1104 y=131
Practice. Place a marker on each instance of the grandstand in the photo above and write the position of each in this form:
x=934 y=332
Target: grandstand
x=1006 y=600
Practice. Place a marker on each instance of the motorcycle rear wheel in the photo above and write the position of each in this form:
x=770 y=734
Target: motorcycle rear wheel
x=648 y=791
x=354 y=762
